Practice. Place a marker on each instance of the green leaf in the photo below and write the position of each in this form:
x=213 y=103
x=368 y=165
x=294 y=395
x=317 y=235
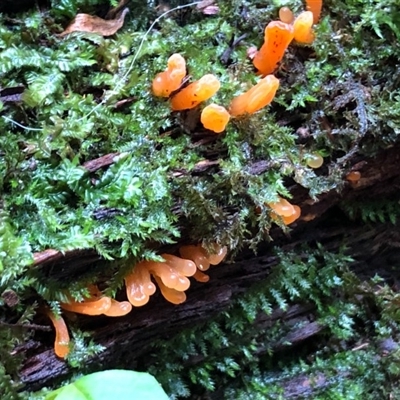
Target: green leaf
x=111 y=384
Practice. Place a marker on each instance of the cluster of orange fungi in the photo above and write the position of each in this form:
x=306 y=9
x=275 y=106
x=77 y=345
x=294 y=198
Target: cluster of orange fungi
x=171 y=276
x=286 y=211
x=277 y=37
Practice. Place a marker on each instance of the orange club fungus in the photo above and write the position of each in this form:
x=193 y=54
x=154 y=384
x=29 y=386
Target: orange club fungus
x=302 y=26
x=61 y=343
x=288 y=212
x=170 y=80
x=277 y=37
x=195 y=93
x=286 y=15
x=203 y=259
x=98 y=304
x=215 y=118
x=315 y=6
x=353 y=176
x=256 y=98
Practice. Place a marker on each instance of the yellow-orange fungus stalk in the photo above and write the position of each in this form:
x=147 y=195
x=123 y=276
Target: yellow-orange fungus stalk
x=195 y=93
x=277 y=37
x=118 y=309
x=315 y=6
x=170 y=277
x=196 y=253
x=293 y=217
x=256 y=98
x=172 y=295
x=282 y=207
x=182 y=266
x=138 y=284
x=201 y=277
x=61 y=343
x=288 y=212
x=302 y=26
x=215 y=118
x=89 y=307
x=286 y=15
x=353 y=176
x=315 y=160
x=170 y=80
x=218 y=255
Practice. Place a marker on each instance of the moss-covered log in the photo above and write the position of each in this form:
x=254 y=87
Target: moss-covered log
x=98 y=174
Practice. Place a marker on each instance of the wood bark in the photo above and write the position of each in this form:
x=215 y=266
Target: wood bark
x=372 y=246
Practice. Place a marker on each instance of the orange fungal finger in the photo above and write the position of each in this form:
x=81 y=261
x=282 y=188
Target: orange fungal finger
x=118 y=308
x=218 y=255
x=255 y=98
x=282 y=207
x=61 y=343
x=172 y=295
x=170 y=80
x=353 y=176
x=215 y=118
x=201 y=277
x=315 y=6
x=89 y=307
x=170 y=277
x=184 y=267
x=195 y=93
x=277 y=37
x=197 y=254
x=138 y=285
x=286 y=15
x=302 y=26
x=293 y=217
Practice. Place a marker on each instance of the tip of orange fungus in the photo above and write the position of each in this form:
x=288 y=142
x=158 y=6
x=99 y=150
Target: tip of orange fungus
x=170 y=80
x=61 y=343
x=195 y=93
x=277 y=37
x=290 y=219
x=219 y=253
x=118 y=308
x=353 y=176
x=215 y=118
x=315 y=6
x=286 y=15
x=302 y=26
x=196 y=253
x=256 y=98
x=138 y=285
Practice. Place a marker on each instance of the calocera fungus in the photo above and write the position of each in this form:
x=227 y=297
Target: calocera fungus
x=314 y=160
x=288 y=212
x=89 y=306
x=286 y=15
x=170 y=80
x=277 y=37
x=118 y=308
x=256 y=98
x=61 y=343
x=302 y=26
x=195 y=93
x=315 y=6
x=353 y=176
x=172 y=295
x=203 y=259
x=139 y=286
x=215 y=118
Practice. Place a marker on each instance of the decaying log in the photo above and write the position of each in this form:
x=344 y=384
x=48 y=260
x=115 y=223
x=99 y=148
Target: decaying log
x=371 y=246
